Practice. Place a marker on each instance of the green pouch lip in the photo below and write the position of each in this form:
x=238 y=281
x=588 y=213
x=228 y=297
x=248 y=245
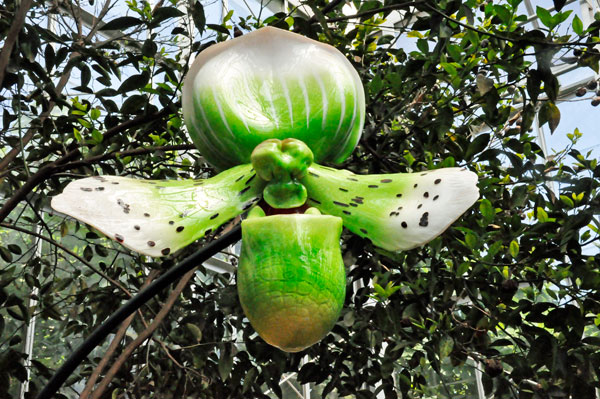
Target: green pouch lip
x=302 y=218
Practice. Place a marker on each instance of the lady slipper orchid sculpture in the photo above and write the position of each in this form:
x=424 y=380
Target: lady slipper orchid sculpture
x=266 y=108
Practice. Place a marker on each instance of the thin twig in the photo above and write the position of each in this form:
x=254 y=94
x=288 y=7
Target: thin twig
x=49 y=169
x=113 y=346
x=12 y=35
x=142 y=336
x=67 y=250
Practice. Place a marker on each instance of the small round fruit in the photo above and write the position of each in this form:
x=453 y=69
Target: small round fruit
x=272 y=84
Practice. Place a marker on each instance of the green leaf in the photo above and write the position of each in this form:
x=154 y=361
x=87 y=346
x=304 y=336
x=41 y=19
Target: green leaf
x=477 y=145
x=471 y=240
x=487 y=210
x=455 y=52
x=449 y=68
x=122 y=23
x=549 y=113
x=164 y=13
x=577 y=25
x=462 y=269
x=5 y=254
x=514 y=248
x=218 y=28
x=15 y=249
x=134 y=82
x=567 y=201
x=446 y=346
x=198 y=16
x=544 y=16
x=559 y=4
x=225 y=362
x=542 y=216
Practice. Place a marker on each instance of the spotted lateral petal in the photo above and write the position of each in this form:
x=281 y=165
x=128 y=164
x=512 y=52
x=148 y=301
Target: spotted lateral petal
x=158 y=217
x=395 y=211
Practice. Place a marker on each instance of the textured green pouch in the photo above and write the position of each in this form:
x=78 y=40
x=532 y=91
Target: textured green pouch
x=291 y=277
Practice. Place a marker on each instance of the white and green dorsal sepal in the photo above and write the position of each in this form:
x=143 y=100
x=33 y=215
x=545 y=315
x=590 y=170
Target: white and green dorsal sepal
x=268 y=84
x=158 y=217
x=395 y=211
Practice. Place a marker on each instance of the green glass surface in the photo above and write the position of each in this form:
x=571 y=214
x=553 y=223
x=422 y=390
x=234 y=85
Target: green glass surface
x=291 y=277
x=267 y=84
x=396 y=211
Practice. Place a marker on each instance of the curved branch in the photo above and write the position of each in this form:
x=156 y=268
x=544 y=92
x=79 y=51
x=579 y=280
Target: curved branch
x=49 y=169
x=133 y=152
x=113 y=345
x=91 y=342
x=67 y=250
x=144 y=335
x=12 y=35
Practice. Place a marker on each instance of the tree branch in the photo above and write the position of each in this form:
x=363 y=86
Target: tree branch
x=142 y=336
x=12 y=35
x=370 y=13
x=67 y=250
x=49 y=169
x=118 y=154
x=113 y=346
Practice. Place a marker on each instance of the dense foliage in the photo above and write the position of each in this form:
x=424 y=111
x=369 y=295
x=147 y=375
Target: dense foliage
x=512 y=288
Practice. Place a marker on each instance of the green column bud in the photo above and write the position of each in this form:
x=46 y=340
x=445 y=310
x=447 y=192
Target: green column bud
x=282 y=163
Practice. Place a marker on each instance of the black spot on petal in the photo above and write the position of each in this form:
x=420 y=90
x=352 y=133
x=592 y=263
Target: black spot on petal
x=207 y=232
x=136 y=227
x=171 y=222
x=426 y=194
x=347 y=212
x=115 y=182
x=179 y=229
x=240 y=178
x=343 y=189
x=244 y=191
x=419 y=206
x=87 y=189
x=315 y=201
x=99 y=188
x=436 y=197
x=166 y=251
x=351 y=179
x=313 y=174
x=386 y=180
x=119 y=238
x=250 y=179
x=404 y=225
x=398 y=195
x=424 y=220
x=363 y=231
x=340 y=204
x=146 y=214
x=373 y=186
x=353 y=204
x=151 y=243
x=437 y=181
x=216 y=215
x=415 y=186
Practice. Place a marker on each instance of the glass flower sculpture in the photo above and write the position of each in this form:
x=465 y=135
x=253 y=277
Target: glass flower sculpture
x=266 y=108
